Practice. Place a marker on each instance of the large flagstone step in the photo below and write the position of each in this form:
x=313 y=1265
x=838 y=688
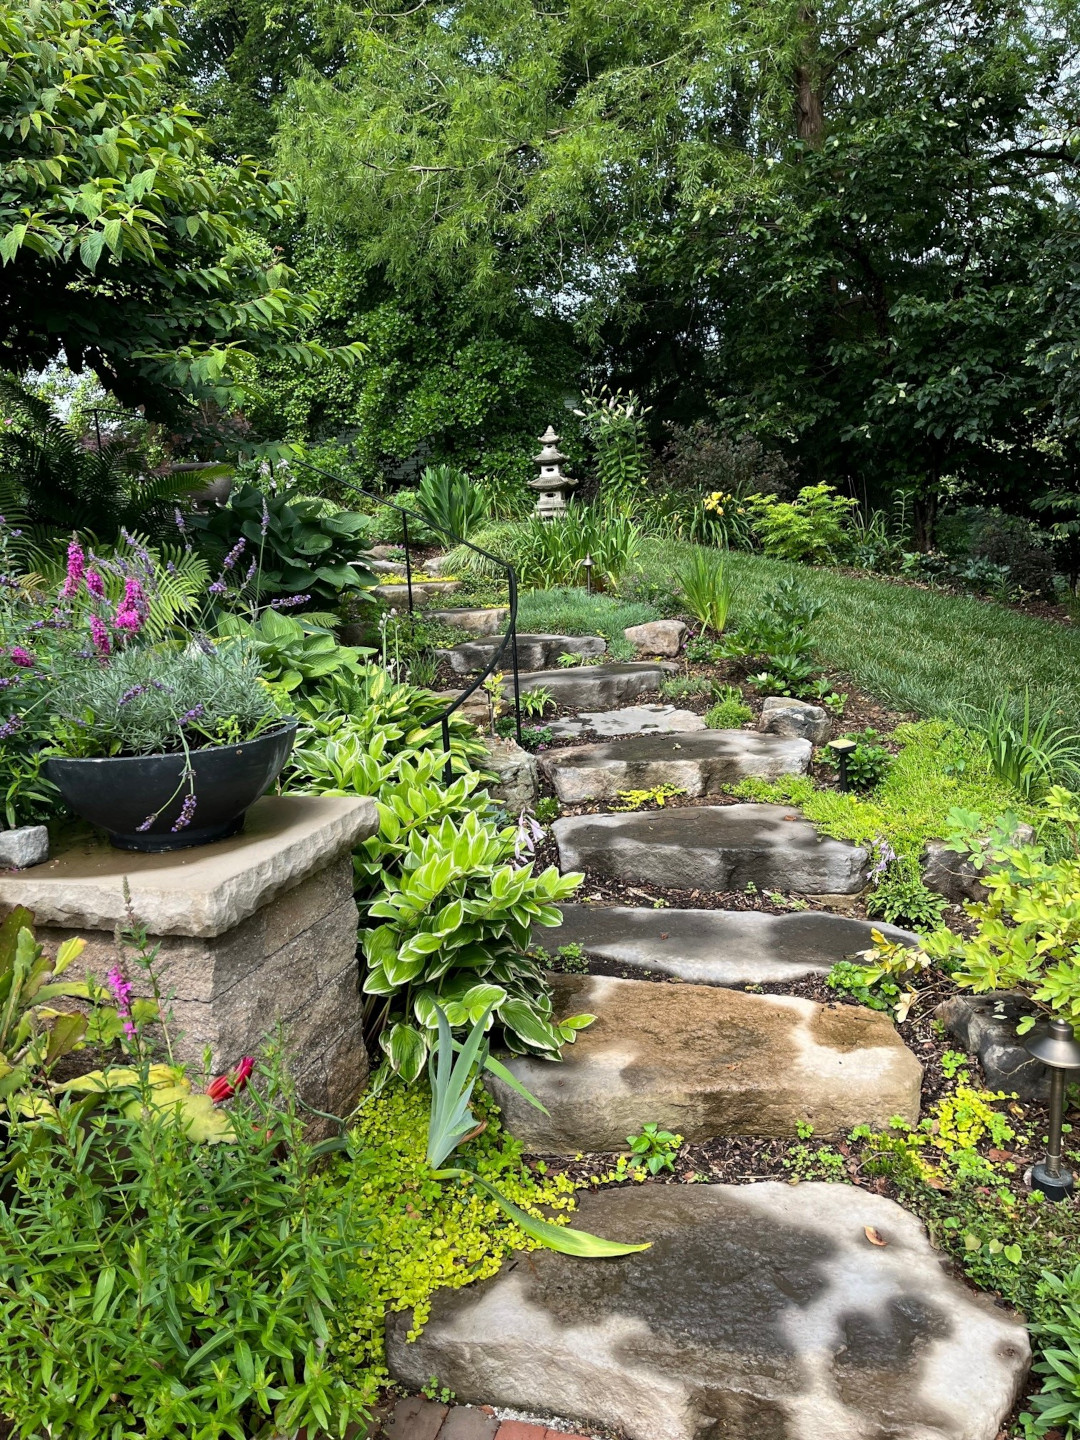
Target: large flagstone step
x=716 y=947
x=535 y=652
x=600 y=686
x=714 y=848
x=702 y=763
x=630 y=720
x=704 y=1061
x=759 y=1312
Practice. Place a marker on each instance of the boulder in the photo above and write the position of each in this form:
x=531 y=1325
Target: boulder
x=699 y=764
x=535 y=652
x=516 y=787
x=759 y=1312
x=600 y=686
x=387 y=567
x=25 y=846
x=632 y=720
x=781 y=715
x=484 y=621
x=713 y=848
x=657 y=637
x=953 y=875
x=704 y=1061
x=986 y=1026
x=716 y=947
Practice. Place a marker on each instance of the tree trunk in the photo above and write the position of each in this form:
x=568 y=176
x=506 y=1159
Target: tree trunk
x=809 y=83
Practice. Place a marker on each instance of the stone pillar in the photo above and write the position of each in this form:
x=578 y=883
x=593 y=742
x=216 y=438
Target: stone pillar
x=252 y=931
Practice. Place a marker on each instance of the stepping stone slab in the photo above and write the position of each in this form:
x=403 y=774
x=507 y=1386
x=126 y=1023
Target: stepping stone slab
x=398 y=594
x=760 y=1312
x=704 y=1061
x=716 y=947
x=535 y=652
x=601 y=686
x=633 y=720
x=700 y=764
x=480 y=622
x=712 y=848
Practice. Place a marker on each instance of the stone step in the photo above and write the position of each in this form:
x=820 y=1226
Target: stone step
x=758 y=1311
x=535 y=652
x=705 y=763
x=482 y=621
x=714 y=848
x=601 y=686
x=398 y=593
x=704 y=1061
x=631 y=720
x=716 y=947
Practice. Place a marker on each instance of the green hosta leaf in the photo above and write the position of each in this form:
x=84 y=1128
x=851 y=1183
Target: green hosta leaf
x=523 y=1019
x=406 y=1049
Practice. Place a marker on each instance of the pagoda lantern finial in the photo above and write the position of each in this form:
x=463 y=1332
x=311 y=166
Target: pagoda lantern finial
x=551 y=483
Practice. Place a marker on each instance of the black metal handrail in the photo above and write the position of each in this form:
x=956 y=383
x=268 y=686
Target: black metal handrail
x=510 y=637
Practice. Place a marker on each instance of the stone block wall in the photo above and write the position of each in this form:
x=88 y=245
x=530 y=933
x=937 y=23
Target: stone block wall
x=268 y=929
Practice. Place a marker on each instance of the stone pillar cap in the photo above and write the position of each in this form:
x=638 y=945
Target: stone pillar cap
x=204 y=891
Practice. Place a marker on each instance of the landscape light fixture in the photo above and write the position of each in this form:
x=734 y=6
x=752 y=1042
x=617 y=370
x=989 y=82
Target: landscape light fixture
x=842 y=749
x=588 y=563
x=1058 y=1049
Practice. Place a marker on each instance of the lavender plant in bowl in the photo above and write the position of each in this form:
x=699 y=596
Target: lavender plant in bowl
x=162 y=743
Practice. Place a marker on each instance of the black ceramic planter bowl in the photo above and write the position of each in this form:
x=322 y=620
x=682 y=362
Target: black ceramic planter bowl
x=119 y=792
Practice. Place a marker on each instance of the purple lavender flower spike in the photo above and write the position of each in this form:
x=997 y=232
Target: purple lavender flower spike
x=187 y=810
x=287 y=601
x=195 y=713
x=130 y=695
x=147 y=823
x=234 y=554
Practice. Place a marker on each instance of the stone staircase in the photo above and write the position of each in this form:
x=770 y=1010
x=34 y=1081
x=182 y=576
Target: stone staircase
x=800 y=1312
x=535 y=652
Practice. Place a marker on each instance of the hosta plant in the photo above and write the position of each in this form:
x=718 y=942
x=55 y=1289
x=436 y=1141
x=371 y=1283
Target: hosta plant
x=455 y=933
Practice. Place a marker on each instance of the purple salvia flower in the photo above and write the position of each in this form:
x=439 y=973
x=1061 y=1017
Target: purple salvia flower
x=187 y=810
x=23 y=658
x=95 y=584
x=76 y=565
x=100 y=636
x=121 y=993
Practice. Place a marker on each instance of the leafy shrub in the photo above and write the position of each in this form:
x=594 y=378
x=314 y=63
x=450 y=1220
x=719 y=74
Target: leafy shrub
x=150 y=1285
x=450 y=501
x=808 y=528
x=887 y=965
x=867 y=764
x=707 y=591
x=1057 y=1406
x=681 y=687
x=615 y=424
x=1028 y=929
x=778 y=634
x=729 y=711
x=300 y=544
x=699 y=462
x=901 y=898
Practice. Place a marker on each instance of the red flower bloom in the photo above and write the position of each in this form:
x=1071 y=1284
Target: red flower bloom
x=230 y=1084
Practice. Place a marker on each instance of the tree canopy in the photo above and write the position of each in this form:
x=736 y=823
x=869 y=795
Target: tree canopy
x=124 y=245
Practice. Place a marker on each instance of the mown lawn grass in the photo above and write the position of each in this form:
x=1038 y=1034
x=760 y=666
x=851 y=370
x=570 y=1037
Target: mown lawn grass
x=918 y=650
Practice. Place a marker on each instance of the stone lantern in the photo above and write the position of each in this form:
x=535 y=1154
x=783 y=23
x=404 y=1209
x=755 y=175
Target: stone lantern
x=552 y=484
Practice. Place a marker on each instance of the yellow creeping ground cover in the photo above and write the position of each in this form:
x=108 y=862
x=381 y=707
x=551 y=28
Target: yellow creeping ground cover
x=416 y=1234
x=938 y=767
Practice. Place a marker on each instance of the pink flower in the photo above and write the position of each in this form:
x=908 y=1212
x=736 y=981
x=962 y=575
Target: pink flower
x=100 y=636
x=95 y=584
x=23 y=658
x=128 y=621
x=76 y=564
x=121 y=993
x=226 y=1086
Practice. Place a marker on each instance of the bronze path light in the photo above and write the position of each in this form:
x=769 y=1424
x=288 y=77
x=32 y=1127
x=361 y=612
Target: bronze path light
x=1058 y=1049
